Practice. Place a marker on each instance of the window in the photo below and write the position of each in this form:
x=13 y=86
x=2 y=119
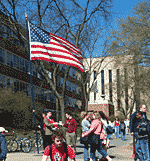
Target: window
x=118 y=88
x=33 y=70
x=102 y=81
x=8 y=58
x=94 y=75
x=16 y=61
x=8 y=32
x=2 y=58
x=94 y=95
x=5 y=81
x=22 y=64
x=126 y=89
x=26 y=65
x=16 y=85
x=110 y=84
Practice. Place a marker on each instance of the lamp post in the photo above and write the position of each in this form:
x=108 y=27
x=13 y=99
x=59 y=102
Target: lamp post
x=103 y=97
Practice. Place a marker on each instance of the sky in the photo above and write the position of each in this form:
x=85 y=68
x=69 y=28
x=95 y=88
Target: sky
x=120 y=9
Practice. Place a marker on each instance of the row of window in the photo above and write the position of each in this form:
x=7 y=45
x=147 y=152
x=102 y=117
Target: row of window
x=22 y=64
x=6 y=32
x=69 y=86
x=69 y=101
x=73 y=87
x=15 y=61
x=75 y=74
x=18 y=85
x=39 y=93
x=72 y=72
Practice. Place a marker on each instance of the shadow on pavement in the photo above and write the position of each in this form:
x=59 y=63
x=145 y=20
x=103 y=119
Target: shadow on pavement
x=78 y=153
x=112 y=147
x=80 y=146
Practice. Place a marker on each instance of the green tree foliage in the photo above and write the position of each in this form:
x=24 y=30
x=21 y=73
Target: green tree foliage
x=133 y=34
x=131 y=44
x=16 y=109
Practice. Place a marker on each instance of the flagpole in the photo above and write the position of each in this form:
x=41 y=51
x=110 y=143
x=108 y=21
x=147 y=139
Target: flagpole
x=31 y=82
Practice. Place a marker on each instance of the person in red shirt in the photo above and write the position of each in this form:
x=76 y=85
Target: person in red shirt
x=116 y=126
x=58 y=152
x=71 y=126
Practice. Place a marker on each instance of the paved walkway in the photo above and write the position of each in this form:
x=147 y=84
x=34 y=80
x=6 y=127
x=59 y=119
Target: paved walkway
x=119 y=150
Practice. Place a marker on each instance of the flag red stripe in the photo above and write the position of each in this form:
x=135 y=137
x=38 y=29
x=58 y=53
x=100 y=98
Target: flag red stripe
x=67 y=48
x=54 y=55
x=66 y=43
x=59 y=62
x=53 y=49
x=74 y=49
x=65 y=40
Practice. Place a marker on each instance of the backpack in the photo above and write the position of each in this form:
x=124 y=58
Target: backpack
x=143 y=129
x=122 y=127
x=65 y=150
x=109 y=130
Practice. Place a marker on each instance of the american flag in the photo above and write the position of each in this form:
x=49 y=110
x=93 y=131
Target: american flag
x=52 y=48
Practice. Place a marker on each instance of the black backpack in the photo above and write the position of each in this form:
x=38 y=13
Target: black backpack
x=143 y=129
x=109 y=130
x=65 y=150
x=122 y=127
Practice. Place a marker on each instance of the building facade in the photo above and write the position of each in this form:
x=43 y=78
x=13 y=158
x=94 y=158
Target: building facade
x=114 y=86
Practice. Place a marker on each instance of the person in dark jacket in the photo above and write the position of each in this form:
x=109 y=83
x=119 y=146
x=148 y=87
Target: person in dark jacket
x=122 y=128
x=134 y=122
x=3 y=145
x=41 y=121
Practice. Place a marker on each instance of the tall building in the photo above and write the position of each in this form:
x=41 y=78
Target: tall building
x=15 y=72
x=114 y=87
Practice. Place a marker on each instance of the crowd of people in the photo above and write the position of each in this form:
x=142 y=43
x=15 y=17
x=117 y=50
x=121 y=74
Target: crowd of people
x=96 y=133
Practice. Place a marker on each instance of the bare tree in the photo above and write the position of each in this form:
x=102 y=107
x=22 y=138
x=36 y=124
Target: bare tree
x=80 y=23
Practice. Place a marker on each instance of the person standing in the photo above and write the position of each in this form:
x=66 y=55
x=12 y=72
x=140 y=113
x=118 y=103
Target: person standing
x=109 y=130
x=49 y=123
x=41 y=121
x=134 y=122
x=85 y=127
x=127 y=127
x=116 y=126
x=71 y=125
x=3 y=145
x=122 y=128
x=96 y=143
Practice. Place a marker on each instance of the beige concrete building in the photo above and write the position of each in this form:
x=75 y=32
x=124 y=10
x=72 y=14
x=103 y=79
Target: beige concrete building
x=113 y=78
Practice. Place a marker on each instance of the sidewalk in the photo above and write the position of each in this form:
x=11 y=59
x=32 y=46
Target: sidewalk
x=122 y=153
x=117 y=151
x=27 y=157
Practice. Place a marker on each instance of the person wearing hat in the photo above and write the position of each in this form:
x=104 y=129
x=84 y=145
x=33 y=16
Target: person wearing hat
x=3 y=144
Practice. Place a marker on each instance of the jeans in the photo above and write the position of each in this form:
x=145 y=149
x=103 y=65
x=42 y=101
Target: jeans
x=86 y=147
x=122 y=135
x=143 y=151
x=99 y=148
x=137 y=148
x=117 y=131
x=48 y=140
x=108 y=136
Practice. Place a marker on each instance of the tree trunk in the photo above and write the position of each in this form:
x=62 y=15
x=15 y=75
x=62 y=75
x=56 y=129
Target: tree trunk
x=57 y=109
x=62 y=106
x=86 y=104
